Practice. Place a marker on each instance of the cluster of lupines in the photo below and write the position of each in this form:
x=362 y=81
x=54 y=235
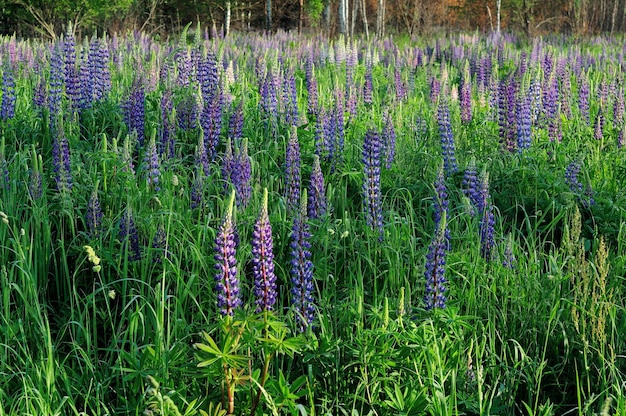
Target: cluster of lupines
x=447 y=138
x=311 y=86
x=372 y=197
x=302 y=269
x=524 y=123
x=507 y=115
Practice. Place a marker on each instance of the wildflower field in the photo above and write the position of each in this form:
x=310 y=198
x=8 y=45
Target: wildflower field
x=285 y=225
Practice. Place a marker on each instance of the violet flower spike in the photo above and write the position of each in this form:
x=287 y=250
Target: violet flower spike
x=226 y=281
x=317 y=195
x=263 y=261
x=302 y=269
x=436 y=267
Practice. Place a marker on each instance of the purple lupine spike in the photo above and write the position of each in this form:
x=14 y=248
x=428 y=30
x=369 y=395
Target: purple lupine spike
x=598 y=126
x=487 y=220
x=93 y=216
x=368 y=83
x=242 y=175
x=134 y=109
x=351 y=104
x=290 y=100
x=56 y=82
x=466 y=95
x=263 y=261
x=211 y=122
x=436 y=268
x=226 y=281
x=292 y=173
x=151 y=163
x=317 y=195
x=321 y=124
x=372 y=197
x=389 y=140
x=197 y=190
x=583 y=99
x=7 y=110
x=187 y=112
x=40 y=95
x=235 y=128
x=435 y=90
x=72 y=87
x=69 y=55
x=102 y=81
x=86 y=77
x=311 y=86
x=399 y=85
x=571 y=177
x=302 y=269
x=167 y=128
x=471 y=186
x=447 y=138
x=524 y=123
x=61 y=161
x=159 y=245
x=129 y=236
x=201 y=158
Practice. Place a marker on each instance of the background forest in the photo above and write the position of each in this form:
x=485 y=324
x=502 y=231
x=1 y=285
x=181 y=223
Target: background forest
x=164 y=17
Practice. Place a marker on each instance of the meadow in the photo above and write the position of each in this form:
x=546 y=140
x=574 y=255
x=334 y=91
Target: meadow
x=285 y=225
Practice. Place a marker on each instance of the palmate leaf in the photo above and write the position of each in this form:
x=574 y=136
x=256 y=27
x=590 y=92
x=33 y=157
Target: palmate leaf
x=226 y=356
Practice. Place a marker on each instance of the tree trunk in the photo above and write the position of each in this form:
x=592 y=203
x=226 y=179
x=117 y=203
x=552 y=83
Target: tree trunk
x=326 y=16
x=498 y=7
x=380 y=19
x=301 y=16
x=342 y=17
x=365 y=26
x=227 y=18
x=268 y=15
x=526 y=19
x=355 y=11
x=614 y=16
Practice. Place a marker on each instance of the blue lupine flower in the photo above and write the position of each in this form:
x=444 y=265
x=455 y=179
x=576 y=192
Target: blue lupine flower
x=436 y=268
x=317 y=194
x=447 y=138
x=372 y=197
x=292 y=173
x=263 y=261
x=7 y=110
x=226 y=281
x=302 y=270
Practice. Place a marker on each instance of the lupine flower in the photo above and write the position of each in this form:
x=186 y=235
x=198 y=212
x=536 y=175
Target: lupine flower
x=56 y=82
x=311 y=86
x=436 y=268
x=389 y=140
x=507 y=117
x=129 y=236
x=61 y=161
x=471 y=186
x=197 y=190
x=400 y=87
x=226 y=281
x=372 y=198
x=151 y=163
x=263 y=261
x=524 y=123
x=585 y=193
x=159 y=244
x=599 y=126
x=447 y=138
x=7 y=110
x=40 y=95
x=368 y=85
x=187 y=112
x=317 y=194
x=290 y=100
x=134 y=109
x=435 y=89
x=102 y=81
x=466 y=95
x=241 y=175
x=583 y=99
x=235 y=128
x=292 y=173
x=93 y=216
x=302 y=269
x=487 y=220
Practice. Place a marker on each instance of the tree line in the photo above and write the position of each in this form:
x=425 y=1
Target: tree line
x=45 y=18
